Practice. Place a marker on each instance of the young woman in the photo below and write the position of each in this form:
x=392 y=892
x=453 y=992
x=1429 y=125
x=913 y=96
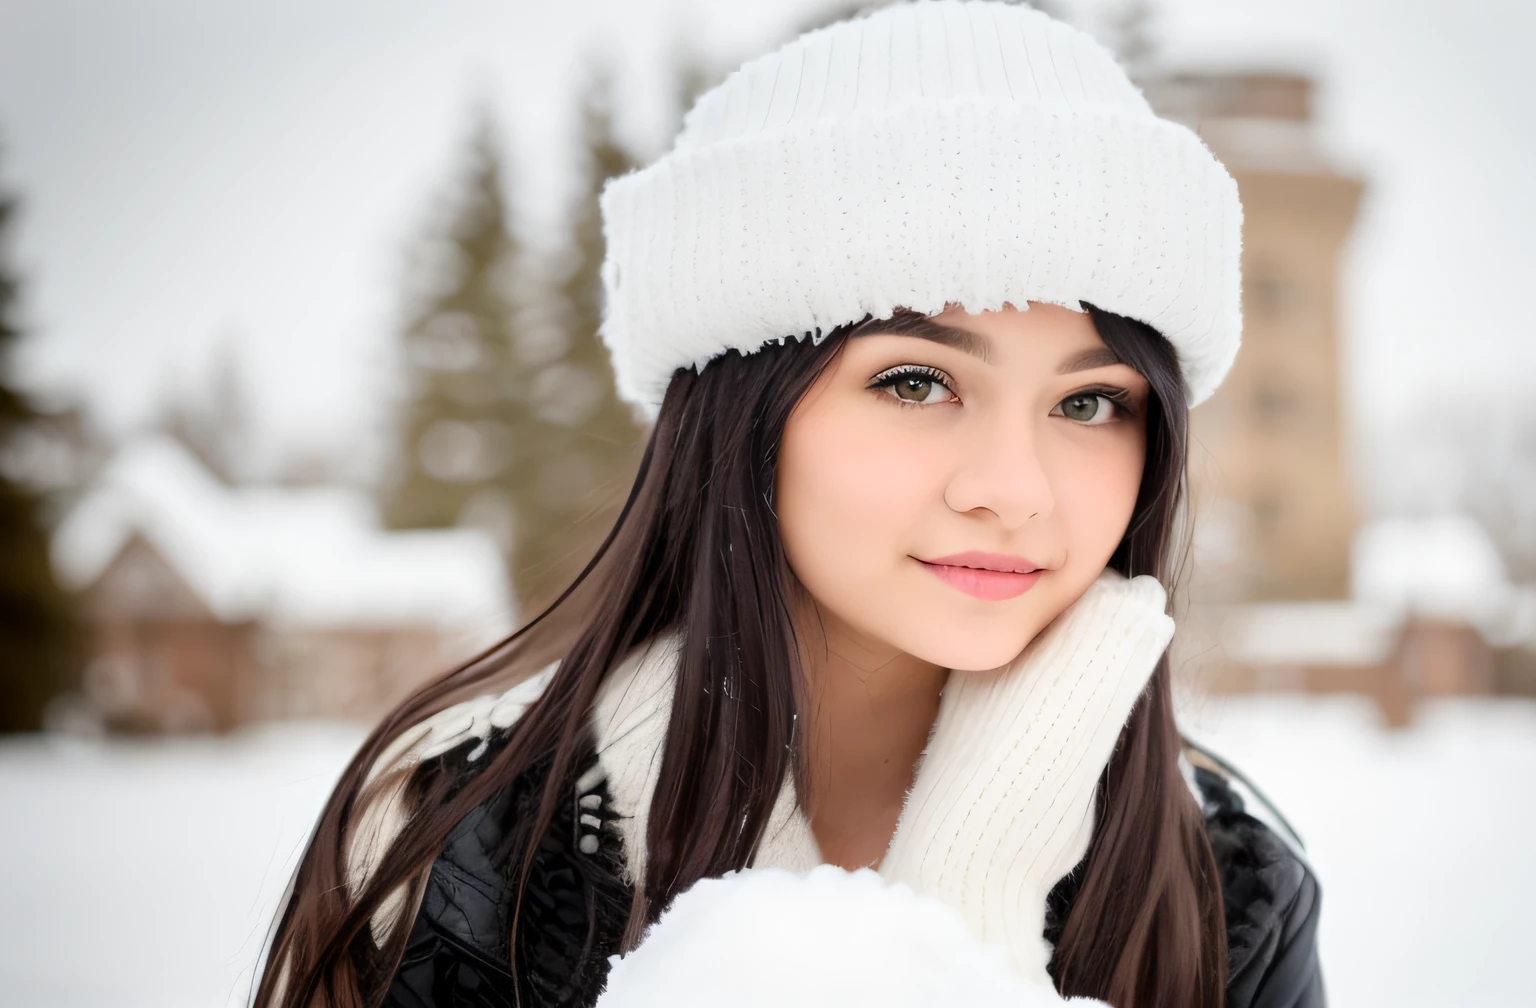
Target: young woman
x=864 y=698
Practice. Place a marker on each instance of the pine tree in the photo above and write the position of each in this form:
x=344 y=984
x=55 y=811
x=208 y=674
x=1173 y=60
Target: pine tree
x=457 y=458
x=513 y=422
x=583 y=438
x=38 y=643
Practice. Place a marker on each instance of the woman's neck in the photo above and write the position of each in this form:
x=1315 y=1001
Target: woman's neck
x=871 y=709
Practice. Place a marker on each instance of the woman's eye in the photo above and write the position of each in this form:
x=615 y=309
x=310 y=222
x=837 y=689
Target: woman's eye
x=916 y=387
x=1089 y=408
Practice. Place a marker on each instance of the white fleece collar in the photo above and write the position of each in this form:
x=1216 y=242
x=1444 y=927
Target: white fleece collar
x=630 y=720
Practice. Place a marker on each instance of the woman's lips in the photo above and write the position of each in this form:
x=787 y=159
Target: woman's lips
x=984 y=584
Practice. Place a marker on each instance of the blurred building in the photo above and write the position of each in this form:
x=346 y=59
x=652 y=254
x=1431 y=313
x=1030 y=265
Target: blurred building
x=1268 y=467
x=1430 y=614
x=211 y=606
x=1287 y=591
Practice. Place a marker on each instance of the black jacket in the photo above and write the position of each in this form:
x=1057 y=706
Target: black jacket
x=576 y=903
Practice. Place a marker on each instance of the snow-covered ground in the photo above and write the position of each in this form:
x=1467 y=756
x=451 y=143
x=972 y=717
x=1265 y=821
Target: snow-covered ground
x=1423 y=839
x=145 y=873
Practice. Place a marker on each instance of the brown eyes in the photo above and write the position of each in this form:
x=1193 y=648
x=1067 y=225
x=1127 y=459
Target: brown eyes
x=915 y=385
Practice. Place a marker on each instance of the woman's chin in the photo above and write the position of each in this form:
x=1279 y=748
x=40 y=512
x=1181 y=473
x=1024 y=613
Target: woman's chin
x=969 y=648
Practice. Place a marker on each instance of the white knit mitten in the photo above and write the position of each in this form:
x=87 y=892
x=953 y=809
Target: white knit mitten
x=1002 y=805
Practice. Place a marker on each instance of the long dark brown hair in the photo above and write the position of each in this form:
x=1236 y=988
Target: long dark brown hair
x=696 y=548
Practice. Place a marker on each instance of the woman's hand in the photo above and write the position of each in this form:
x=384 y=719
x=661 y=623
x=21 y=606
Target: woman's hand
x=1002 y=805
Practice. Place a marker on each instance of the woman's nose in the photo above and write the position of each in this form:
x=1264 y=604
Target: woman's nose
x=1000 y=468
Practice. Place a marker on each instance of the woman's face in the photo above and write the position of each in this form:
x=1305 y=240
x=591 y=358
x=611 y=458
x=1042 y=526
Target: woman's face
x=1017 y=435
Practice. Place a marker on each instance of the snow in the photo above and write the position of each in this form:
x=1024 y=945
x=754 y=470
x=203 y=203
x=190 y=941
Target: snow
x=1442 y=565
x=144 y=873
x=1421 y=838
x=853 y=939
x=155 y=488
x=305 y=556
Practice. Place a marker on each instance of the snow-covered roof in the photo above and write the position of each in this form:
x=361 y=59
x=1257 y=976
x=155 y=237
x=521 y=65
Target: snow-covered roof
x=313 y=556
x=1331 y=632
x=1442 y=567
x=1439 y=566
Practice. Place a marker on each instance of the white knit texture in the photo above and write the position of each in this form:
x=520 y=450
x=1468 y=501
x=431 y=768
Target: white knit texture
x=930 y=153
x=1002 y=804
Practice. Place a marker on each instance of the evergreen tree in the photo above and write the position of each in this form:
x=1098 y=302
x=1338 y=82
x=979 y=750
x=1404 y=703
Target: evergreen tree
x=584 y=439
x=457 y=457
x=38 y=646
x=513 y=422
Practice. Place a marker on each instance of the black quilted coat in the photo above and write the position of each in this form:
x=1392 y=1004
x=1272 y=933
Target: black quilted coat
x=574 y=908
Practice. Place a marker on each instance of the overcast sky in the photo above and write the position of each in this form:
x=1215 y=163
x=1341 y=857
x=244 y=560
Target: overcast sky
x=198 y=172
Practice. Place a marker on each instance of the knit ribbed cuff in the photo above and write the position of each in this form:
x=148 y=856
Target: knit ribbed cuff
x=963 y=201
x=1002 y=806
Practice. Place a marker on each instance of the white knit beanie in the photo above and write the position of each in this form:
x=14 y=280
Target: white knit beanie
x=944 y=151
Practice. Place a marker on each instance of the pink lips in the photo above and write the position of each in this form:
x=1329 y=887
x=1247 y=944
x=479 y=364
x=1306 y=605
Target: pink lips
x=992 y=576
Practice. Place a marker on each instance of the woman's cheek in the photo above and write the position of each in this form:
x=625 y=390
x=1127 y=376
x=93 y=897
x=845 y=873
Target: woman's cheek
x=1096 y=498
x=851 y=483
x=850 y=489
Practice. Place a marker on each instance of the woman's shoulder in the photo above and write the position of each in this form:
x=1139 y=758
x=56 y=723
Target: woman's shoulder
x=457 y=734
x=460 y=946
x=1271 y=896
x=458 y=949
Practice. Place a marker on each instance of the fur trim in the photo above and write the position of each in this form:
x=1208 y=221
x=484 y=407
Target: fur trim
x=824 y=938
x=383 y=817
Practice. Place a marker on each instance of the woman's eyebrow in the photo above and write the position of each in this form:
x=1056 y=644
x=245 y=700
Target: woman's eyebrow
x=1095 y=358
x=923 y=327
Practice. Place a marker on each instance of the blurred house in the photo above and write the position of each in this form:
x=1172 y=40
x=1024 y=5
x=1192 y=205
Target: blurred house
x=212 y=606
